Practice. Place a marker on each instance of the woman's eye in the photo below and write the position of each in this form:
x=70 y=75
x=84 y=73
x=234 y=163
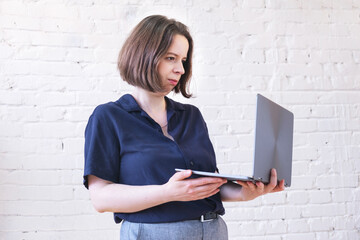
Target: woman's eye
x=170 y=58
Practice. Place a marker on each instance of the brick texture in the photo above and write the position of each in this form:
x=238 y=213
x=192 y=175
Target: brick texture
x=58 y=61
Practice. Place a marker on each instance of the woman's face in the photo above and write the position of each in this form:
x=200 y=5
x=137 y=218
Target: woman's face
x=170 y=66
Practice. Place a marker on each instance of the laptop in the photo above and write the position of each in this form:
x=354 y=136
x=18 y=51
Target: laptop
x=273 y=144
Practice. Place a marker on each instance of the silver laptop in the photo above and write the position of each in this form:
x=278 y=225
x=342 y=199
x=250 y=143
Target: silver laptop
x=273 y=144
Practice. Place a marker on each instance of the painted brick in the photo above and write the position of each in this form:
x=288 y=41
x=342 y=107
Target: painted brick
x=323 y=210
x=58 y=62
x=297 y=197
x=298 y=225
x=320 y=196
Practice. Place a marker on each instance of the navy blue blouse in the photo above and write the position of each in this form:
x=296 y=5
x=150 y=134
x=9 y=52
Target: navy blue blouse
x=123 y=144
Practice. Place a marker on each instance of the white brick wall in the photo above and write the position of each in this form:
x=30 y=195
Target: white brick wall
x=58 y=61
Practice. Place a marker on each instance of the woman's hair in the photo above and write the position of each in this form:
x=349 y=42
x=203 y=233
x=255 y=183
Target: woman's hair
x=148 y=42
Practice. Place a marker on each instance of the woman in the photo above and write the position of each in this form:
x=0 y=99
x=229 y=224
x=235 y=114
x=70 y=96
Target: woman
x=133 y=145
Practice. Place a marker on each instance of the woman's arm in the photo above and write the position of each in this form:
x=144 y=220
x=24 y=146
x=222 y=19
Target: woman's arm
x=245 y=191
x=107 y=196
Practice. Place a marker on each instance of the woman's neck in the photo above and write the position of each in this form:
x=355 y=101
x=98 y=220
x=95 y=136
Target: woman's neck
x=152 y=103
x=149 y=101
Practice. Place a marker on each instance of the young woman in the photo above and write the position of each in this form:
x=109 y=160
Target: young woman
x=133 y=145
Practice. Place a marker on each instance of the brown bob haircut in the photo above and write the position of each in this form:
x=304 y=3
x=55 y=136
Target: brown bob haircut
x=148 y=42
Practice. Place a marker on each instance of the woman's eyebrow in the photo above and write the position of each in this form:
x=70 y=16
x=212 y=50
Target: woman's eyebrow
x=175 y=54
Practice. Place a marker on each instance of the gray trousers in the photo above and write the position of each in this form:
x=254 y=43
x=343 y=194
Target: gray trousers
x=185 y=230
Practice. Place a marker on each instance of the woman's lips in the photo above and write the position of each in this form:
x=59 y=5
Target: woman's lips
x=173 y=81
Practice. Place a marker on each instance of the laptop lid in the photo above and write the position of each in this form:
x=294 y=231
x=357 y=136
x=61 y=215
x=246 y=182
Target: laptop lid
x=273 y=144
x=273 y=141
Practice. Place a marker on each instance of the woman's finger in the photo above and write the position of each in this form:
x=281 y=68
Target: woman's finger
x=251 y=186
x=204 y=191
x=203 y=181
x=259 y=187
x=273 y=181
x=243 y=184
x=181 y=175
x=279 y=187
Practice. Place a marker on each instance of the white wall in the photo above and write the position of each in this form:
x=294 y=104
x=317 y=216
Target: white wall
x=58 y=61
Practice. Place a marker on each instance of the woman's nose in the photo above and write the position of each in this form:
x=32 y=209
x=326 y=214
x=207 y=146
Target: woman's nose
x=179 y=68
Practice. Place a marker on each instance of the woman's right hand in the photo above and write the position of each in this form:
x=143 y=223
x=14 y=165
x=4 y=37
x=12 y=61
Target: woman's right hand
x=179 y=188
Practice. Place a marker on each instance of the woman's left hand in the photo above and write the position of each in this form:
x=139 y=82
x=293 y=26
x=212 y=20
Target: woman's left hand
x=250 y=190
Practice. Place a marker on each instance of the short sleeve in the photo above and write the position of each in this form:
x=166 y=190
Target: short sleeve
x=102 y=150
